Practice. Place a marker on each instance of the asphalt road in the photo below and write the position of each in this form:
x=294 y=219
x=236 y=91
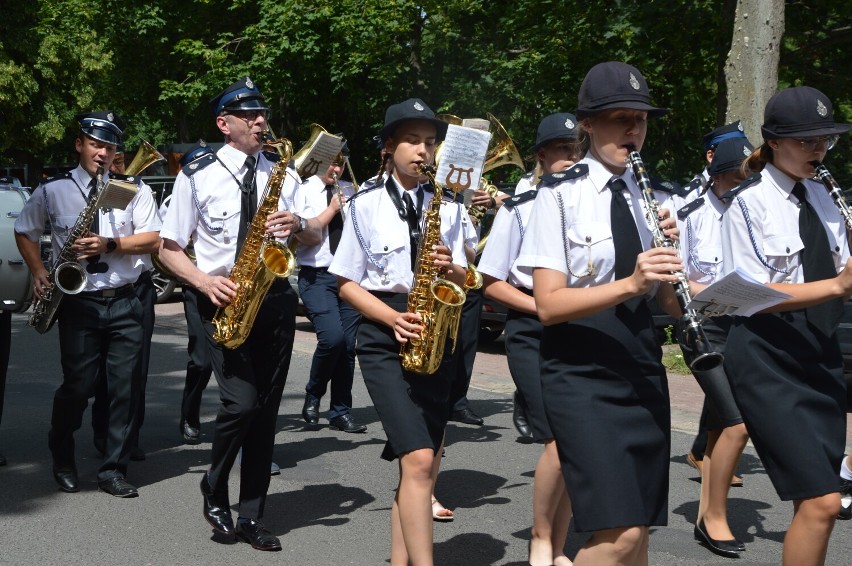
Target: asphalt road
x=330 y=505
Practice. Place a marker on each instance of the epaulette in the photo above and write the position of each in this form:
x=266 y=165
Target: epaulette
x=272 y=156
x=688 y=209
x=191 y=169
x=128 y=178
x=525 y=196
x=529 y=175
x=57 y=178
x=364 y=190
x=670 y=187
x=694 y=185
x=749 y=181
x=573 y=172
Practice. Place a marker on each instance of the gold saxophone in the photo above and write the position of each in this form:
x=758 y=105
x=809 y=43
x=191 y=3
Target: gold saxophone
x=261 y=261
x=438 y=301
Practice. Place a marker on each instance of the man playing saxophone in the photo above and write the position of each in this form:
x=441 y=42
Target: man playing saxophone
x=100 y=326
x=213 y=204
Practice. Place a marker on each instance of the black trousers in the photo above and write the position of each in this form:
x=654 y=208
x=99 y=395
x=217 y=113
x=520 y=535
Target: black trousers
x=336 y=325
x=465 y=354
x=199 y=367
x=5 y=347
x=96 y=333
x=251 y=380
x=147 y=295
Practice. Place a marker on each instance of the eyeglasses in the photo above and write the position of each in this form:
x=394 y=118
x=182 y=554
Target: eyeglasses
x=809 y=145
x=249 y=116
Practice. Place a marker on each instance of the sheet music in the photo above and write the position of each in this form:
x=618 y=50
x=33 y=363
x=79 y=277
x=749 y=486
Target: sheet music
x=322 y=152
x=462 y=158
x=737 y=293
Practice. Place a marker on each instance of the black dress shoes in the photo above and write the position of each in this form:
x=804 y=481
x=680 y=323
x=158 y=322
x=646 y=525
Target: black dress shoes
x=217 y=513
x=310 y=411
x=519 y=417
x=728 y=548
x=254 y=533
x=118 y=487
x=191 y=434
x=66 y=478
x=346 y=423
x=466 y=416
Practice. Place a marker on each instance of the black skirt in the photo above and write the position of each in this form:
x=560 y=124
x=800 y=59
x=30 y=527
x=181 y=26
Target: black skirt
x=788 y=382
x=523 y=343
x=413 y=408
x=607 y=402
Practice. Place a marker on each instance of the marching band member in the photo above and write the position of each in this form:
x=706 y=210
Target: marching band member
x=603 y=383
x=556 y=149
x=727 y=436
x=100 y=327
x=213 y=201
x=784 y=364
x=375 y=267
x=335 y=321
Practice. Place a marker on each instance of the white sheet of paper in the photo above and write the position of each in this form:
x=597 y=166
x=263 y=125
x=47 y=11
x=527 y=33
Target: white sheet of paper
x=736 y=294
x=322 y=152
x=462 y=158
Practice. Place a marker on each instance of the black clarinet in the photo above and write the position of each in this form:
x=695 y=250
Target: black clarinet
x=706 y=359
x=835 y=191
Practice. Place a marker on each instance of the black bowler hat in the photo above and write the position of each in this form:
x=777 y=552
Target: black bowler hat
x=103 y=125
x=800 y=111
x=729 y=155
x=559 y=126
x=722 y=133
x=241 y=95
x=615 y=85
x=199 y=150
x=411 y=109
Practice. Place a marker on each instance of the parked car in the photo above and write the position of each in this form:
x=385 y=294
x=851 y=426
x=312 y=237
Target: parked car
x=493 y=320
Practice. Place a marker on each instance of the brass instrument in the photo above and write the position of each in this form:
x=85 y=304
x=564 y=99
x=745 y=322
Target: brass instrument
x=835 y=191
x=501 y=151
x=340 y=199
x=438 y=301
x=146 y=156
x=303 y=167
x=262 y=259
x=473 y=278
x=705 y=359
x=67 y=276
x=351 y=174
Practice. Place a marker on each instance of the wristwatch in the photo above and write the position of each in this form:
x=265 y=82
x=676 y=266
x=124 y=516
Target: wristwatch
x=303 y=223
x=111 y=245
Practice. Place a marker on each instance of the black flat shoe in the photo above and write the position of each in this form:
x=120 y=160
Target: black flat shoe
x=519 y=417
x=118 y=487
x=254 y=533
x=727 y=548
x=346 y=423
x=66 y=478
x=466 y=416
x=217 y=513
x=191 y=434
x=310 y=410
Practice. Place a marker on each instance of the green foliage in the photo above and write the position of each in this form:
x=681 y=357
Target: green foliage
x=340 y=63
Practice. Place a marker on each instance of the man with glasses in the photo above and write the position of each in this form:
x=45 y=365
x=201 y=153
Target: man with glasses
x=213 y=203
x=102 y=325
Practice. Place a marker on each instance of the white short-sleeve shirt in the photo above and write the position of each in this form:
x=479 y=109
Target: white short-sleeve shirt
x=701 y=239
x=311 y=199
x=499 y=259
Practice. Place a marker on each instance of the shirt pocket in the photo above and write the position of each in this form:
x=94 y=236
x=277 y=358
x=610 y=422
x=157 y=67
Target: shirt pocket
x=121 y=222
x=387 y=246
x=782 y=251
x=63 y=225
x=590 y=249
x=224 y=217
x=708 y=260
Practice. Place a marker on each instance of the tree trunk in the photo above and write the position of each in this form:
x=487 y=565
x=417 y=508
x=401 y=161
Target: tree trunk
x=751 y=72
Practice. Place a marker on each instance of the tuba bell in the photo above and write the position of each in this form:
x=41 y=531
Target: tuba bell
x=501 y=150
x=146 y=156
x=308 y=168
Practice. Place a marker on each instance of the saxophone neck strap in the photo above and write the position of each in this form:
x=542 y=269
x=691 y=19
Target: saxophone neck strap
x=393 y=192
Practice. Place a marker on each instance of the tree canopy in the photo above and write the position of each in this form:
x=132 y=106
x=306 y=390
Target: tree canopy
x=340 y=63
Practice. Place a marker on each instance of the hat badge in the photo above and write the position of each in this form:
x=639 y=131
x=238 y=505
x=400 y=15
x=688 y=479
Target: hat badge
x=418 y=107
x=249 y=84
x=739 y=125
x=110 y=117
x=821 y=109
x=634 y=82
x=569 y=124
x=746 y=151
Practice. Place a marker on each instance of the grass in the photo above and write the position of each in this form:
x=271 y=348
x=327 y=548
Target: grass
x=673 y=360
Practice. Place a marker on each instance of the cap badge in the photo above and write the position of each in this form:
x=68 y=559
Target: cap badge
x=821 y=109
x=418 y=107
x=249 y=84
x=110 y=117
x=202 y=143
x=569 y=124
x=746 y=151
x=634 y=82
x=739 y=125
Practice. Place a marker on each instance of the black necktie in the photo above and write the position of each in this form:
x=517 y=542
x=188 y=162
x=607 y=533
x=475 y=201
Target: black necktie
x=816 y=263
x=625 y=236
x=413 y=220
x=94 y=263
x=248 y=203
x=93 y=187
x=335 y=227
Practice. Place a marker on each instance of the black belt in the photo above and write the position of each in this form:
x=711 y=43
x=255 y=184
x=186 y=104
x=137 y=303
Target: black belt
x=388 y=294
x=312 y=268
x=109 y=293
